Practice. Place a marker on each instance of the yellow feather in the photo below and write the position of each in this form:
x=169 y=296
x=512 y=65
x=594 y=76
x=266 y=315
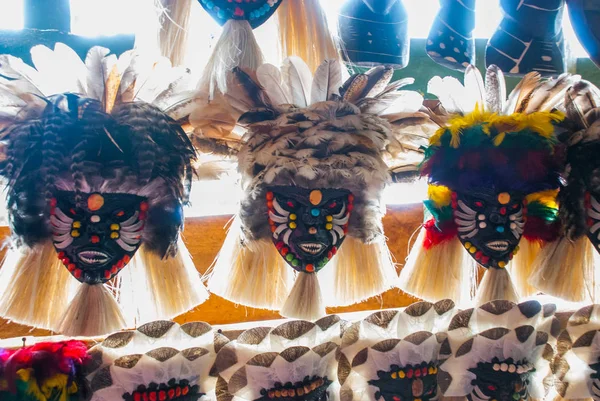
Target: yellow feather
x=546 y=198
x=440 y=195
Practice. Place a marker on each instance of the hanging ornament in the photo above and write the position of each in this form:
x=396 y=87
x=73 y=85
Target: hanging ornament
x=574 y=253
x=585 y=16
x=97 y=190
x=529 y=38
x=450 y=42
x=375 y=33
x=493 y=180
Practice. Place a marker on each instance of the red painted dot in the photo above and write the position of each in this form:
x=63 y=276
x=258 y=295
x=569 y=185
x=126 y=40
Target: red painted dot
x=137 y=396
x=515 y=206
x=144 y=206
x=350 y=207
x=453 y=196
x=454 y=205
x=478 y=255
x=53 y=202
x=334 y=250
x=121 y=214
x=61 y=255
x=279 y=245
x=417 y=372
x=491 y=388
x=152 y=396
x=77 y=273
x=120 y=264
x=71 y=267
x=396 y=398
x=185 y=390
x=290 y=204
x=273 y=228
x=162 y=395
x=270 y=204
x=424 y=371
x=269 y=195
x=145 y=396
x=329 y=255
x=106 y=274
x=284 y=251
x=351 y=198
x=114 y=269
x=126 y=258
x=142 y=216
x=590 y=222
x=271 y=222
x=171 y=394
x=502 y=211
x=310 y=268
x=485 y=260
x=478 y=204
x=238 y=12
x=177 y=391
x=409 y=373
x=65 y=261
x=95 y=239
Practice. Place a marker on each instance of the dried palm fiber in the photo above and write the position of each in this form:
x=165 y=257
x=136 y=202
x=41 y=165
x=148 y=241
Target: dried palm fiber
x=87 y=137
x=572 y=255
x=313 y=134
x=492 y=158
x=304 y=32
x=174 y=25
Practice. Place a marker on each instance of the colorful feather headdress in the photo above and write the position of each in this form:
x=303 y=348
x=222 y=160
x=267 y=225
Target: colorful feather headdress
x=95 y=169
x=494 y=175
x=499 y=350
x=160 y=360
x=394 y=354
x=574 y=253
x=313 y=169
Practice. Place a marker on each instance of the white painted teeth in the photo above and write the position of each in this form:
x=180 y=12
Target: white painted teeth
x=93 y=257
x=498 y=245
x=311 y=247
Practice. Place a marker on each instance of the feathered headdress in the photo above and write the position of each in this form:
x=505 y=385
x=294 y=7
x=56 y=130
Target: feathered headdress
x=295 y=360
x=159 y=361
x=494 y=175
x=572 y=255
x=500 y=351
x=95 y=169
x=577 y=365
x=312 y=165
x=394 y=354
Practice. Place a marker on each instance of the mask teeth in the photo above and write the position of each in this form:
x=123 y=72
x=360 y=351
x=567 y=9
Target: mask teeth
x=512 y=368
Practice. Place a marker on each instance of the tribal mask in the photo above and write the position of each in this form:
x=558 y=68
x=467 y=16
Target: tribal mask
x=501 y=381
x=96 y=237
x=310 y=389
x=256 y=12
x=308 y=225
x=490 y=224
x=409 y=383
x=592 y=208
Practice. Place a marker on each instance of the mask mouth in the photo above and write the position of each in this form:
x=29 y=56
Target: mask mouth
x=498 y=246
x=93 y=257
x=312 y=248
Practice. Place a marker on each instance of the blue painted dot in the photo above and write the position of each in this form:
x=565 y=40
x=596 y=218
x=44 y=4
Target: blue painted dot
x=315 y=212
x=221 y=13
x=500 y=229
x=210 y=5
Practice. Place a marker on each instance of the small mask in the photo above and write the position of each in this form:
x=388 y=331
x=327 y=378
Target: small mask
x=310 y=389
x=98 y=236
x=501 y=381
x=308 y=225
x=173 y=390
x=256 y=12
x=409 y=383
x=490 y=225
x=592 y=207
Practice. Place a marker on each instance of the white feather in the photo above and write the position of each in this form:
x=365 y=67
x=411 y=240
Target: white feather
x=451 y=93
x=474 y=87
x=327 y=81
x=95 y=76
x=15 y=69
x=270 y=79
x=297 y=75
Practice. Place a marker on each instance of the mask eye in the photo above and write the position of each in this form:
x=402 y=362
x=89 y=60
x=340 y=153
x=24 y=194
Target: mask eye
x=479 y=203
x=72 y=211
x=332 y=205
x=120 y=213
x=515 y=206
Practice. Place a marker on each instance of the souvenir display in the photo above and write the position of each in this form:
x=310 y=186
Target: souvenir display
x=312 y=165
x=493 y=178
x=47 y=371
x=375 y=33
x=295 y=360
x=237 y=46
x=394 y=354
x=304 y=32
x=577 y=364
x=97 y=176
x=529 y=38
x=585 y=18
x=450 y=42
x=499 y=351
x=159 y=361
x=574 y=253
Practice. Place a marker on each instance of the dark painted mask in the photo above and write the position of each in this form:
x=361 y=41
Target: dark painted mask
x=310 y=389
x=595 y=381
x=490 y=224
x=173 y=390
x=98 y=236
x=501 y=381
x=308 y=225
x=409 y=383
x=592 y=208
x=256 y=12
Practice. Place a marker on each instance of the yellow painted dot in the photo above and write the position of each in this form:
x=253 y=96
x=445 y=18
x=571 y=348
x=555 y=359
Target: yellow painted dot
x=76 y=224
x=115 y=227
x=293 y=216
x=431 y=370
x=467 y=245
x=114 y=235
x=401 y=374
x=501 y=264
x=417 y=399
x=472 y=249
x=292 y=225
x=394 y=375
x=329 y=218
x=75 y=234
x=328 y=226
x=503 y=198
x=315 y=197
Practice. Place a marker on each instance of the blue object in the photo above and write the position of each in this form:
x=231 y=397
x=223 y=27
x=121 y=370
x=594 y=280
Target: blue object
x=500 y=229
x=315 y=212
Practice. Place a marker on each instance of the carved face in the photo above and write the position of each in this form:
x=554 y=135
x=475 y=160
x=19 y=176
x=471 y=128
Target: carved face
x=501 y=381
x=490 y=225
x=408 y=383
x=308 y=225
x=592 y=208
x=173 y=390
x=256 y=12
x=310 y=389
x=98 y=236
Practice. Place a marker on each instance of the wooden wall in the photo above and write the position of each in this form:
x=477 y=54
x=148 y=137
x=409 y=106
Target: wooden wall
x=204 y=237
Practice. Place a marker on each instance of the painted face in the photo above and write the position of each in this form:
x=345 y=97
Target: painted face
x=311 y=389
x=173 y=390
x=409 y=383
x=594 y=383
x=490 y=225
x=96 y=238
x=501 y=381
x=308 y=225
x=592 y=207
